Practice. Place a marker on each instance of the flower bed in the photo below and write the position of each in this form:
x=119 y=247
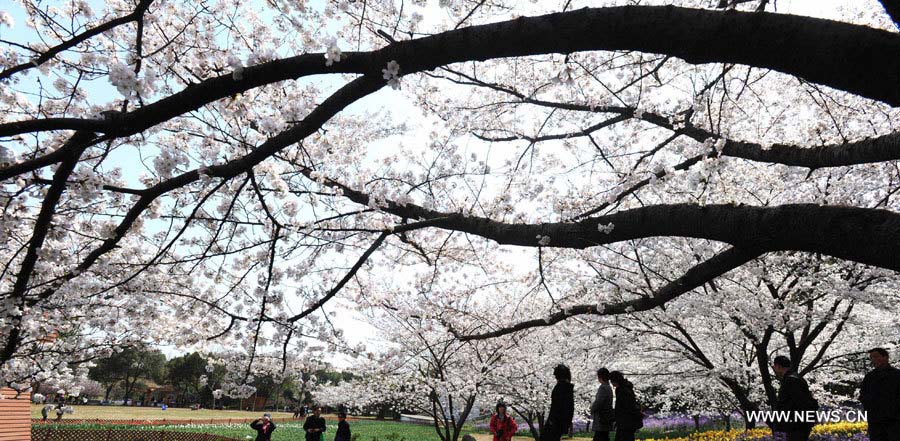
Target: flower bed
x=822 y=432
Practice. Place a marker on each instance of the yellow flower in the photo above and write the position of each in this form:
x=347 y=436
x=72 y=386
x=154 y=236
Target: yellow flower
x=756 y=434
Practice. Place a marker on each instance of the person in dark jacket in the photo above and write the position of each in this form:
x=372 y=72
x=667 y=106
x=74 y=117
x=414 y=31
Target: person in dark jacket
x=263 y=427
x=793 y=396
x=880 y=397
x=314 y=426
x=602 y=408
x=343 y=430
x=562 y=406
x=627 y=411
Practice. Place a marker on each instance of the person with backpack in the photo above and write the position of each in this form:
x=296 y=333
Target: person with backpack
x=502 y=425
x=793 y=397
x=628 y=415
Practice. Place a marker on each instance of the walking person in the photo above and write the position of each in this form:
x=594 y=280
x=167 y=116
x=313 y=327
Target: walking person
x=343 y=429
x=60 y=409
x=627 y=412
x=602 y=407
x=793 y=396
x=502 y=425
x=314 y=426
x=562 y=406
x=263 y=427
x=880 y=397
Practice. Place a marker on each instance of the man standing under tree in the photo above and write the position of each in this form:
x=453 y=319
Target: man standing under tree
x=314 y=426
x=880 y=397
x=793 y=396
x=562 y=406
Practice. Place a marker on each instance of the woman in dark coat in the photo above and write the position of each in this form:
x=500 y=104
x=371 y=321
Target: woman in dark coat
x=628 y=414
x=343 y=429
x=562 y=406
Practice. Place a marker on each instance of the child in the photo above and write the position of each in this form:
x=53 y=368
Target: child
x=343 y=430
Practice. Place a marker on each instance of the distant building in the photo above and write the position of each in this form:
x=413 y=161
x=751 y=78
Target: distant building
x=15 y=415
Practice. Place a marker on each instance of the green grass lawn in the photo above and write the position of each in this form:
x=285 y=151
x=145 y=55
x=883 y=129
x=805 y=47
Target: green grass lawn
x=367 y=430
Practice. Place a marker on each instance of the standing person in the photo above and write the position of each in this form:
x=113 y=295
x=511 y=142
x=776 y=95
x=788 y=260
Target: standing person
x=263 y=427
x=314 y=426
x=562 y=406
x=503 y=426
x=627 y=412
x=793 y=396
x=602 y=407
x=343 y=430
x=880 y=397
x=60 y=410
x=45 y=411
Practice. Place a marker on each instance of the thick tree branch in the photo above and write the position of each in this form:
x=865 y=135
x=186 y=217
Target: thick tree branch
x=863 y=235
x=821 y=51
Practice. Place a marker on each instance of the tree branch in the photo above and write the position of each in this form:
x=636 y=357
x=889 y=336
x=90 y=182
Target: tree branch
x=892 y=7
x=694 y=277
x=820 y=51
x=135 y=15
x=41 y=227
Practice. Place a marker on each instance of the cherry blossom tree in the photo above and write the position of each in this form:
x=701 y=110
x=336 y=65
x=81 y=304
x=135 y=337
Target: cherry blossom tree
x=792 y=305
x=424 y=369
x=202 y=174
